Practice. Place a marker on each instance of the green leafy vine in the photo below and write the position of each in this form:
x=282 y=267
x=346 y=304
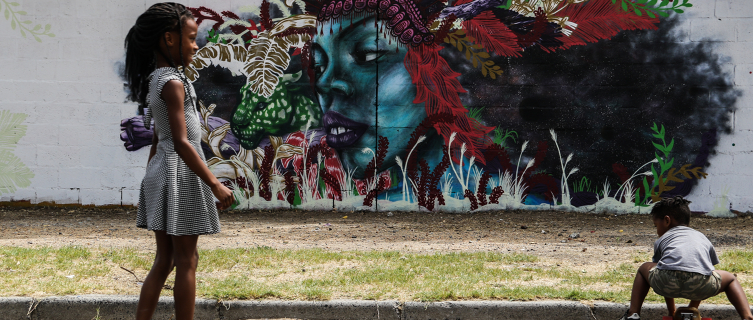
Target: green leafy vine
x=650 y=8
x=24 y=26
x=479 y=58
x=663 y=172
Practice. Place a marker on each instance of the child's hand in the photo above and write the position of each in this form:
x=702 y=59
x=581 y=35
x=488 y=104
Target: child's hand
x=224 y=195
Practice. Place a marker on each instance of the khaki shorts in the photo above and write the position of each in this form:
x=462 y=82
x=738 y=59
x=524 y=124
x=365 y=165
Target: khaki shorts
x=683 y=284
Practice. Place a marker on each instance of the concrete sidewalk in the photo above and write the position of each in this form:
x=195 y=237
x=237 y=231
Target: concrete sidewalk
x=122 y=307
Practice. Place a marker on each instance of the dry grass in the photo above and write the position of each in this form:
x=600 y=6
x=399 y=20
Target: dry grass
x=314 y=274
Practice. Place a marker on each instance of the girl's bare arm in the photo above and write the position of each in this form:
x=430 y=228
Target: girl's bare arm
x=173 y=94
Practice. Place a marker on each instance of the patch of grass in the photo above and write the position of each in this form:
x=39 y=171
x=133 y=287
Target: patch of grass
x=236 y=287
x=129 y=258
x=315 y=274
x=736 y=261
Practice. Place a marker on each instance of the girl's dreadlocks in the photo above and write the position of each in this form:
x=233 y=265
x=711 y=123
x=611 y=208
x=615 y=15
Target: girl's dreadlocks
x=142 y=42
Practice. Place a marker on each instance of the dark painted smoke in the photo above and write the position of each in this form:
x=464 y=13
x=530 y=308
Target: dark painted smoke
x=603 y=98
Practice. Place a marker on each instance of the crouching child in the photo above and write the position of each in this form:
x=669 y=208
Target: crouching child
x=683 y=265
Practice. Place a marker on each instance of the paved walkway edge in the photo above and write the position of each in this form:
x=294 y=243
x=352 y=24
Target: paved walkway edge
x=123 y=307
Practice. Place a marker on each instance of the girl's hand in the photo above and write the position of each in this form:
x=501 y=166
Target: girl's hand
x=224 y=195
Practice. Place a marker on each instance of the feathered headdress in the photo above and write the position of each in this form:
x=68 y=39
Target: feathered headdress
x=479 y=28
x=503 y=27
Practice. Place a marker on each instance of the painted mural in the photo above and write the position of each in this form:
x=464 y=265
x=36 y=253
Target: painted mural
x=17 y=18
x=588 y=105
x=14 y=174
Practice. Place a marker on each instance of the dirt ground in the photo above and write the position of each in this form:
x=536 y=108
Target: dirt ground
x=601 y=240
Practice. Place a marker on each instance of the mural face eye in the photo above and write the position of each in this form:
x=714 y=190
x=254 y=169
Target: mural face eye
x=320 y=60
x=365 y=56
x=319 y=69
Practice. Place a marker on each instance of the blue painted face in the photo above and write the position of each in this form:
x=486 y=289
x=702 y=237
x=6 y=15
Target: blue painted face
x=356 y=66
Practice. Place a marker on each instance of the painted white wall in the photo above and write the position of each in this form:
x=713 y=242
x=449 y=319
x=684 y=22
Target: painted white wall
x=69 y=88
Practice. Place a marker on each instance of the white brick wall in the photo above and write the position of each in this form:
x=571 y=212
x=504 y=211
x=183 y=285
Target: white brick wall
x=74 y=99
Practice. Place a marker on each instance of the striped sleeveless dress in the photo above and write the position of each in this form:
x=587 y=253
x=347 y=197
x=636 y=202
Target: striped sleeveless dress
x=173 y=198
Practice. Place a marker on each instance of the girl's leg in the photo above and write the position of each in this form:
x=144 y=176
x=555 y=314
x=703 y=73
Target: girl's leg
x=731 y=286
x=186 y=259
x=155 y=280
x=640 y=288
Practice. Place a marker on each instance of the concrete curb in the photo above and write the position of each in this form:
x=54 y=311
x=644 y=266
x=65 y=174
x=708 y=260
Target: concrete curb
x=335 y=309
x=492 y=310
x=123 y=307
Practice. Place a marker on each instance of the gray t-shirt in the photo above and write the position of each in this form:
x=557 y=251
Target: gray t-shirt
x=685 y=249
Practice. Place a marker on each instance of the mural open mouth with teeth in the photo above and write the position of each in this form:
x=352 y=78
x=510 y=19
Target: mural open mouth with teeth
x=341 y=130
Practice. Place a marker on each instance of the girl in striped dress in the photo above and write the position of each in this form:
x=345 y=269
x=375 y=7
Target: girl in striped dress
x=176 y=194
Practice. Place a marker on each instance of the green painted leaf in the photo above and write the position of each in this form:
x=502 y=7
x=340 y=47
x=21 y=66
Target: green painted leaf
x=646 y=189
x=7 y=13
x=51 y=35
x=11 y=129
x=27 y=22
x=671 y=162
x=37 y=27
x=13 y=173
x=659 y=147
x=679 y=10
x=637 y=198
x=671 y=145
x=652 y=3
x=662 y=13
x=37 y=38
x=650 y=14
x=23 y=33
x=15 y=4
x=47 y=27
x=664 y=3
x=13 y=24
x=614 y=1
x=624 y=6
x=638 y=12
x=21 y=13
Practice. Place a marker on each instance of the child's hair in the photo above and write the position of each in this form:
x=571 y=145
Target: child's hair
x=142 y=42
x=676 y=208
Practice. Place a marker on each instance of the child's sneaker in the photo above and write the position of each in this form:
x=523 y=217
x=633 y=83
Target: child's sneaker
x=635 y=316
